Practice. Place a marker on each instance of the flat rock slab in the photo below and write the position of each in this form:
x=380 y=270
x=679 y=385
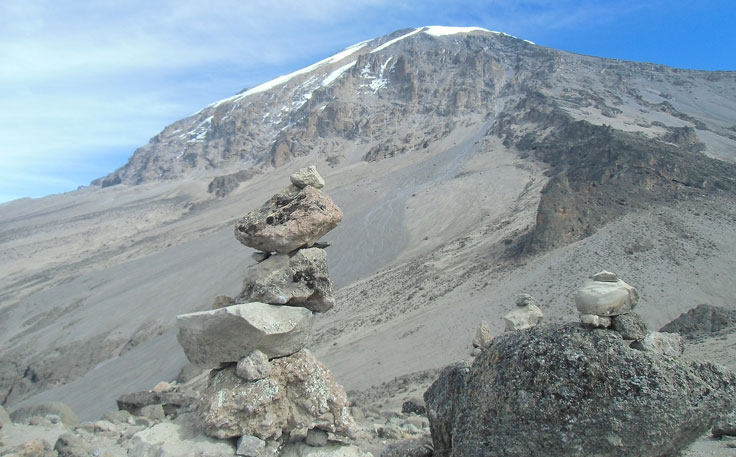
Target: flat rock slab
x=291 y=219
x=298 y=279
x=606 y=298
x=230 y=333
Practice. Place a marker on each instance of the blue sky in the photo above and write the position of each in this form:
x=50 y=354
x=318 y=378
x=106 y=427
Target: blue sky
x=83 y=84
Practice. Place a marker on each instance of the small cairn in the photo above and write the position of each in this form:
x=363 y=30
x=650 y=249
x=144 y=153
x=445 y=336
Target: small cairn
x=606 y=301
x=525 y=315
x=268 y=388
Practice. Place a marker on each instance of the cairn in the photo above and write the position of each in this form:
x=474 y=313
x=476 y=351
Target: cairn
x=525 y=315
x=606 y=301
x=268 y=388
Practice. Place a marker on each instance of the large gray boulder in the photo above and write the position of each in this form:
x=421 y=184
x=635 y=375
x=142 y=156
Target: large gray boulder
x=230 y=333
x=298 y=279
x=299 y=393
x=291 y=219
x=605 y=298
x=565 y=390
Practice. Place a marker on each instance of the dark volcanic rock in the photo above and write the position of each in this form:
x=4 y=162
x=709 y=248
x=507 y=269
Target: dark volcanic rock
x=291 y=219
x=563 y=390
x=702 y=321
x=223 y=185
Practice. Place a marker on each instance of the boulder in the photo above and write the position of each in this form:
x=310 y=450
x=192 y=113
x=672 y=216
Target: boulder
x=442 y=400
x=562 y=389
x=171 y=402
x=631 y=326
x=307 y=177
x=299 y=393
x=483 y=335
x=605 y=276
x=291 y=219
x=724 y=427
x=298 y=279
x=605 y=298
x=330 y=450
x=24 y=414
x=169 y=439
x=702 y=321
x=163 y=386
x=228 y=334
x=595 y=321
x=414 y=405
x=670 y=344
x=522 y=317
x=70 y=445
x=254 y=366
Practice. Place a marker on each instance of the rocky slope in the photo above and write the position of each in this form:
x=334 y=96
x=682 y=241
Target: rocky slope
x=471 y=166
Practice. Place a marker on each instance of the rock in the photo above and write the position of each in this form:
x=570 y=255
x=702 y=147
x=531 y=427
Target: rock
x=100 y=426
x=483 y=335
x=593 y=320
x=704 y=320
x=414 y=447
x=291 y=219
x=391 y=432
x=414 y=405
x=250 y=446
x=227 y=334
x=192 y=371
x=316 y=437
x=671 y=344
x=35 y=448
x=153 y=412
x=254 y=366
x=162 y=386
x=70 y=445
x=522 y=317
x=576 y=392
x=631 y=326
x=605 y=276
x=299 y=393
x=524 y=300
x=171 y=402
x=24 y=414
x=605 y=298
x=221 y=301
x=441 y=400
x=357 y=413
x=4 y=418
x=307 y=177
x=259 y=256
x=330 y=450
x=119 y=417
x=169 y=439
x=297 y=279
x=475 y=352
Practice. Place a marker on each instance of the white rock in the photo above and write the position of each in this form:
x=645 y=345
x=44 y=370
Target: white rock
x=665 y=343
x=483 y=335
x=227 y=334
x=594 y=320
x=605 y=276
x=168 y=439
x=522 y=317
x=330 y=450
x=307 y=177
x=605 y=298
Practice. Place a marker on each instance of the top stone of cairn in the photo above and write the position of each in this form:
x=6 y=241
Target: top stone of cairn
x=307 y=177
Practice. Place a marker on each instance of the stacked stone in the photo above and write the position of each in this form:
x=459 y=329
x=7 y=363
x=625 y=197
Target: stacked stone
x=268 y=387
x=525 y=315
x=607 y=301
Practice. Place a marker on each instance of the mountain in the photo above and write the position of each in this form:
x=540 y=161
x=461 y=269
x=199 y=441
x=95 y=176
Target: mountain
x=470 y=165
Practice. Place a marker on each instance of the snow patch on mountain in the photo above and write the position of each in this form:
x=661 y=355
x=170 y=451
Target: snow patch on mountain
x=337 y=73
x=441 y=30
x=396 y=40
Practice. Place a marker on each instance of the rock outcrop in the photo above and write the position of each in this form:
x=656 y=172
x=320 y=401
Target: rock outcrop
x=704 y=320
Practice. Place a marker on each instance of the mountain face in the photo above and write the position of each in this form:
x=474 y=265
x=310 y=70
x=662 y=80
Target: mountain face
x=470 y=165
